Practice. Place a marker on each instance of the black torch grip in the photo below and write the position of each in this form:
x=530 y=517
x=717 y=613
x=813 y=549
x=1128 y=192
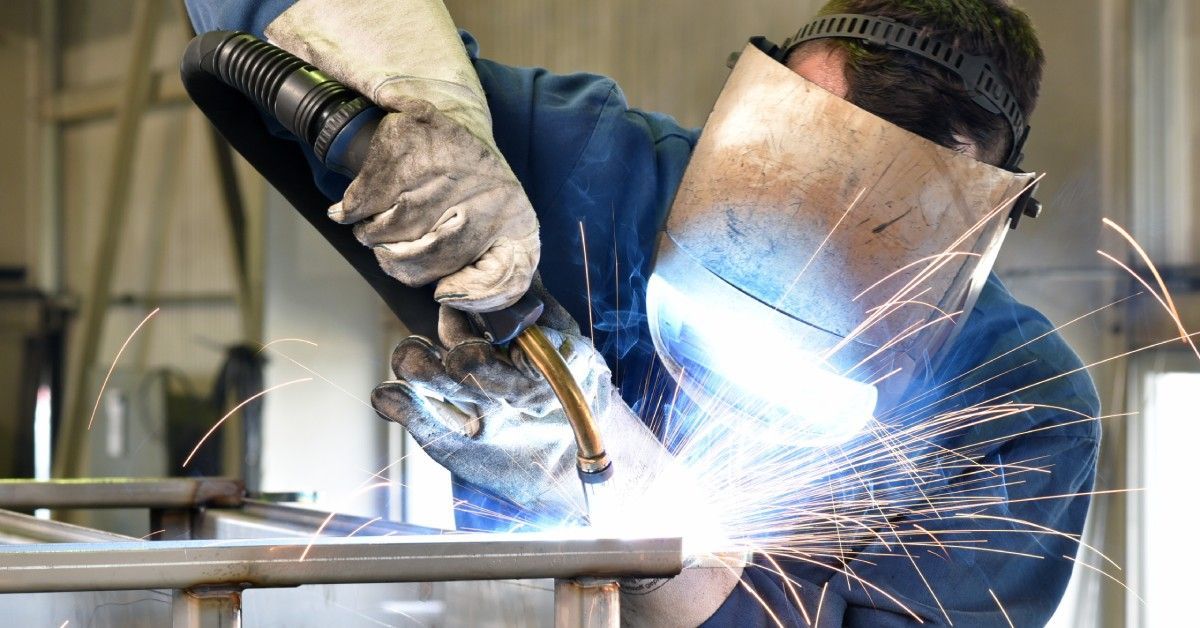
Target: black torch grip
x=338 y=124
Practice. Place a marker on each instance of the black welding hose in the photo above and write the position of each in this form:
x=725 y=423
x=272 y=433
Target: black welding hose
x=222 y=70
x=238 y=116
x=232 y=76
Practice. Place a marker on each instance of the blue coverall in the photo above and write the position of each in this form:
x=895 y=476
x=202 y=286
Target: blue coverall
x=583 y=155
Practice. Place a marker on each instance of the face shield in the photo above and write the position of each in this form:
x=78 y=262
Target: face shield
x=817 y=258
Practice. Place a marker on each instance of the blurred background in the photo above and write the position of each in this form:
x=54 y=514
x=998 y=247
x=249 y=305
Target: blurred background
x=115 y=200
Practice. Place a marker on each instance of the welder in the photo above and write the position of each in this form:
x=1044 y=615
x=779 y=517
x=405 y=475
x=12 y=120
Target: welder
x=480 y=162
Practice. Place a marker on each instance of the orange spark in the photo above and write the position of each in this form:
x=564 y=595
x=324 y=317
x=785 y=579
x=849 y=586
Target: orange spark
x=235 y=409
x=113 y=366
x=587 y=281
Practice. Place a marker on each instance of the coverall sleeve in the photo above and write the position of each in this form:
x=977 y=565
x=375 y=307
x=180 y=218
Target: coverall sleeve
x=234 y=15
x=1016 y=543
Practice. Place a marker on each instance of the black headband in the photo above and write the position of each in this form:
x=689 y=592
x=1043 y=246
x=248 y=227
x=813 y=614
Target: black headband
x=979 y=75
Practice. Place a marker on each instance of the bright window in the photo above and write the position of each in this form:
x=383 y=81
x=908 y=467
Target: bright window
x=1170 y=424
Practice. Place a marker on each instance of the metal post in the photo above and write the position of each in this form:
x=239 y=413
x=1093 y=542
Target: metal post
x=207 y=607
x=50 y=275
x=68 y=459
x=171 y=524
x=587 y=603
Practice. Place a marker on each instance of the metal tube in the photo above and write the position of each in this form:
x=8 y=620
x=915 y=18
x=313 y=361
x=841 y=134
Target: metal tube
x=592 y=457
x=256 y=519
x=34 y=530
x=294 y=562
x=587 y=603
x=120 y=493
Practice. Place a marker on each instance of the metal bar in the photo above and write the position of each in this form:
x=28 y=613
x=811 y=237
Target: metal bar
x=175 y=299
x=286 y=563
x=120 y=493
x=587 y=603
x=34 y=530
x=69 y=458
x=256 y=519
x=50 y=266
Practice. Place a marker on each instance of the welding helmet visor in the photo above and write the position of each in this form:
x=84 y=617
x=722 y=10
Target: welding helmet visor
x=817 y=258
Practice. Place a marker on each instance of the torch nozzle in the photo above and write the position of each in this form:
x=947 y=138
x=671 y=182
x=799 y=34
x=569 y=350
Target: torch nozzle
x=593 y=463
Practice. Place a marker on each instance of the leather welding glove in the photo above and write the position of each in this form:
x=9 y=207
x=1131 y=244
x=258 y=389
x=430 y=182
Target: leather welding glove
x=435 y=199
x=487 y=415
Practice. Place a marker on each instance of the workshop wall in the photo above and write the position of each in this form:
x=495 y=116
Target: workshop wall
x=667 y=56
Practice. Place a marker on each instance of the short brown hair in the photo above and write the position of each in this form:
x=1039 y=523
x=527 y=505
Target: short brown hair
x=927 y=99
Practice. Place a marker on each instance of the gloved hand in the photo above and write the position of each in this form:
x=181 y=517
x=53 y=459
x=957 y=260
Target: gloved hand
x=435 y=199
x=488 y=416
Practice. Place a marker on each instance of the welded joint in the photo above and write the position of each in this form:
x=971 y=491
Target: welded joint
x=207 y=606
x=587 y=602
x=219 y=492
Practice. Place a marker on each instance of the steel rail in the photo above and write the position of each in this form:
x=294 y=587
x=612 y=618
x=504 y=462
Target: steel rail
x=26 y=529
x=120 y=493
x=295 y=562
x=259 y=520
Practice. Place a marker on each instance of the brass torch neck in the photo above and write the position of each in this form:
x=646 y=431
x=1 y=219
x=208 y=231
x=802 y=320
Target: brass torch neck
x=593 y=462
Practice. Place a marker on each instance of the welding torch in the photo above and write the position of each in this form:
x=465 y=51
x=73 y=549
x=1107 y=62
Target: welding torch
x=221 y=68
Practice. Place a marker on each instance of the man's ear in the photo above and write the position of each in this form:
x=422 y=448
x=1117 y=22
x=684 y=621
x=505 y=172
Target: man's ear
x=967 y=146
x=822 y=63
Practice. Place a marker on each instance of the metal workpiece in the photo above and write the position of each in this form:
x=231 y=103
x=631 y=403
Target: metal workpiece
x=591 y=457
x=719 y=560
x=587 y=602
x=20 y=528
x=121 y=493
x=258 y=519
x=294 y=562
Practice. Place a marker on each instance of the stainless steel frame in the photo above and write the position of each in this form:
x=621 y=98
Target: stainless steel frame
x=121 y=493
x=130 y=565
x=208 y=570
